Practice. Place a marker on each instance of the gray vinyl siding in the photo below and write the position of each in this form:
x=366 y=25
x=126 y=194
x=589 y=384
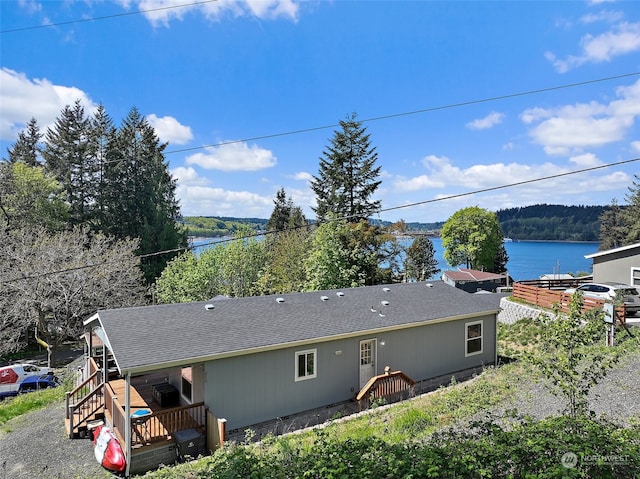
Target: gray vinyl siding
x=421 y=352
x=616 y=267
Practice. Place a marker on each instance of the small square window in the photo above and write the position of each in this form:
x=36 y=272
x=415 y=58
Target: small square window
x=305 y=365
x=473 y=341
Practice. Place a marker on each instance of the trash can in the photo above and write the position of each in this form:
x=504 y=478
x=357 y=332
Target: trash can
x=190 y=443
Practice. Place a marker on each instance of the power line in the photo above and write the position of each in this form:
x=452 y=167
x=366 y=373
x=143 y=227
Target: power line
x=393 y=208
x=106 y=17
x=413 y=112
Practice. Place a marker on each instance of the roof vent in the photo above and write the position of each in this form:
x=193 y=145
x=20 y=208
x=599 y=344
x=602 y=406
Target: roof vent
x=209 y=306
x=384 y=303
x=386 y=290
x=280 y=300
x=324 y=298
x=340 y=293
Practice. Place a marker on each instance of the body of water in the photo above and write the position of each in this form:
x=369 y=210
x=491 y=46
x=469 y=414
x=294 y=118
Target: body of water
x=527 y=259
x=531 y=259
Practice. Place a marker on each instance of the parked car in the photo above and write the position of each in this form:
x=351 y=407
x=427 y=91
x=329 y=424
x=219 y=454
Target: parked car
x=11 y=377
x=35 y=383
x=608 y=290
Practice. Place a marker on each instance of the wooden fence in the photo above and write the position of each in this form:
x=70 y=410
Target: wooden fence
x=543 y=297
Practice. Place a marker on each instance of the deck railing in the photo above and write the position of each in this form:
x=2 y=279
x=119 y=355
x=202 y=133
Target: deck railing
x=388 y=387
x=161 y=425
x=550 y=299
x=84 y=401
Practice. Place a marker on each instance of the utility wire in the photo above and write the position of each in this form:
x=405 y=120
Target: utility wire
x=106 y=17
x=393 y=208
x=413 y=112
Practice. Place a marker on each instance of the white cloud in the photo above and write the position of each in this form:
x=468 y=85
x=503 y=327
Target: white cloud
x=169 y=129
x=203 y=200
x=489 y=121
x=601 y=48
x=188 y=177
x=23 y=98
x=568 y=129
x=588 y=160
x=635 y=145
x=233 y=156
x=31 y=6
x=303 y=176
x=609 y=16
x=162 y=12
x=456 y=182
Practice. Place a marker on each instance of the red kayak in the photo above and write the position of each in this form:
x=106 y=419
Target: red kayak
x=108 y=450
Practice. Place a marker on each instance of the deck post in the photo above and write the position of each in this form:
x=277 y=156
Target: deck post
x=127 y=423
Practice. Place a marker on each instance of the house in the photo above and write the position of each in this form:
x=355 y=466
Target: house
x=472 y=281
x=621 y=265
x=228 y=364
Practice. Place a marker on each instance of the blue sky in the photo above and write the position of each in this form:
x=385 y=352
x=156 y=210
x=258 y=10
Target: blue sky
x=243 y=76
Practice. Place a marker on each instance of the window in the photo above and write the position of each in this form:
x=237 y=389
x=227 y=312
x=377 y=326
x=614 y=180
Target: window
x=306 y=365
x=473 y=335
x=186 y=383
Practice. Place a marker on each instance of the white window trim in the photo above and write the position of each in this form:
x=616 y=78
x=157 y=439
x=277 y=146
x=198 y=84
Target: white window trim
x=467 y=339
x=633 y=279
x=315 y=365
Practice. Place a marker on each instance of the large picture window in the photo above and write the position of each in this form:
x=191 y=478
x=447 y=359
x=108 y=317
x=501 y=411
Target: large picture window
x=306 y=367
x=473 y=338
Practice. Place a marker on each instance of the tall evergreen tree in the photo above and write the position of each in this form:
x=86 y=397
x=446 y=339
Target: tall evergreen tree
x=102 y=137
x=613 y=228
x=25 y=149
x=140 y=202
x=347 y=176
x=421 y=263
x=68 y=157
x=285 y=214
x=632 y=213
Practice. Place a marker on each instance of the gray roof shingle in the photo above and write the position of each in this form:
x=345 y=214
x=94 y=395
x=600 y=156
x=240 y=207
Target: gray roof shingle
x=149 y=337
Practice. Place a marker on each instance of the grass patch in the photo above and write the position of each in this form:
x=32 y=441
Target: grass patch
x=517 y=339
x=24 y=403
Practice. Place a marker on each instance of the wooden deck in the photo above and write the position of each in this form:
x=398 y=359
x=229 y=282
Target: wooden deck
x=157 y=426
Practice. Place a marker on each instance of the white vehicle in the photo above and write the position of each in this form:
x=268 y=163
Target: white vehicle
x=608 y=290
x=11 y=377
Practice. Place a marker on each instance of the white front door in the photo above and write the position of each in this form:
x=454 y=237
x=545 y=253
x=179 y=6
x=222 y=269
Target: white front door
x=367 y=361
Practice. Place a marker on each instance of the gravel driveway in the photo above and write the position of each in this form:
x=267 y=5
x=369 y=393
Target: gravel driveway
x=37 y=447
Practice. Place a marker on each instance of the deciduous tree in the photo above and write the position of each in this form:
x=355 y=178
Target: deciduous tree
x=53 y=282
x=30 y=197
x=472 y=236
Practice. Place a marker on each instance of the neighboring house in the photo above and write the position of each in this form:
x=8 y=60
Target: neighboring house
x=621 y=265
x=254 y=359
x=472 y=281
x=556 y=277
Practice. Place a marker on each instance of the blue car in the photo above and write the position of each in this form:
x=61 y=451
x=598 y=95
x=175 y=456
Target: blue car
x=35 y=383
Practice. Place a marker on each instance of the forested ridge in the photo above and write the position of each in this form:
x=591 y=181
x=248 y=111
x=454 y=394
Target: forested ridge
x=538 y=222
x=552 y=222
